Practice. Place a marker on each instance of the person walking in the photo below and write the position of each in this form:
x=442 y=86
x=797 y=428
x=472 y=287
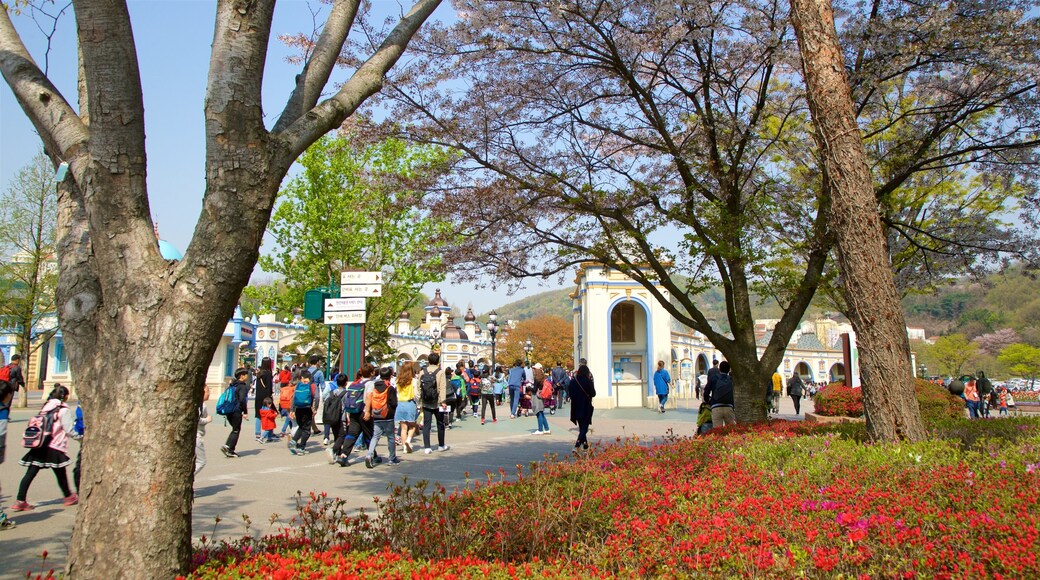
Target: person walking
x=662 y=383
x=407 y=414
x=719 y=394
x=353 y=417
x=488 y=387
x=778 y=387
x=264 y=389
x=53 y=453
x=332 y=415
x=380 y=408
x=6 y=397
x=241 y=386
x=516 y=379
x=200 y=432
x=985 y=390
x=285 y=396
x=795 y=388
x=581 y=391
x=559 y=380
x=971 y=397
x=433 y=389
x=305 y=396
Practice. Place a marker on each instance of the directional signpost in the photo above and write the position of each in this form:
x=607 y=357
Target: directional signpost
x=349 y=311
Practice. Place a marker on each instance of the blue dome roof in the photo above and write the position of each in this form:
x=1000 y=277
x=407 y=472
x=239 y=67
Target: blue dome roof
x=169 y=252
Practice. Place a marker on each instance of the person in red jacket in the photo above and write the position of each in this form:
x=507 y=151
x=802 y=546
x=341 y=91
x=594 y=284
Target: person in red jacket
x=267 y=420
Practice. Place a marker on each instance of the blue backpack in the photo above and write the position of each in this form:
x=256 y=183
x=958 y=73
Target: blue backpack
x=302 y=396
x=354 y=398
x=228 y=401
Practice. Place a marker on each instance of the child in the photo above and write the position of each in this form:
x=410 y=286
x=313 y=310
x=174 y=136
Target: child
x=1003 y=402
x=704 y=419
x=267 y=420
x=538 y=408
x=285 y=395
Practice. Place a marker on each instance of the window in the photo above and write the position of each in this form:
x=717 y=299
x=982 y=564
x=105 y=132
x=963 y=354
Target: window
x=61 y=358
x=623 y=323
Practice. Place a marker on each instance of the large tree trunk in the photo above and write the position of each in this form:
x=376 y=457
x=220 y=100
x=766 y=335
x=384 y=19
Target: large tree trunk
x=888 y=392
x=140 y=330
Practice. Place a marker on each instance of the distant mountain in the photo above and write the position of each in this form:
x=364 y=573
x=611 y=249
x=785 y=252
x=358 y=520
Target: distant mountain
x=552 y=303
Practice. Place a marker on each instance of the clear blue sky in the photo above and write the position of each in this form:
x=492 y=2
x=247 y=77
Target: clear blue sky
x=173 y=43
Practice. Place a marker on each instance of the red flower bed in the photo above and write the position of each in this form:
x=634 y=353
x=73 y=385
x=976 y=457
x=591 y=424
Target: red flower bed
x=776 y=500
x=838 y=400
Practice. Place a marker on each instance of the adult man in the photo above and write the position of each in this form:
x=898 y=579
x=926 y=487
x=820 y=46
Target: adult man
x=796 y=388
x=435 y=405
x=516 y=378
x=380 y=407
x=304 y=399
x=241 y=386
x=984 y=386
x=662 y=383
x=318 y=380
x=560 y=380
x=778 y=386
x=719 y=395
x=712 y=372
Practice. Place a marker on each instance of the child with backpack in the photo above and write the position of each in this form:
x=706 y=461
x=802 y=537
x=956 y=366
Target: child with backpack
x=304 y=397
x=380 y=408
x=285 y=405
x=47 y=438
x=332 y=416
x=473 y=390
x=267 y=421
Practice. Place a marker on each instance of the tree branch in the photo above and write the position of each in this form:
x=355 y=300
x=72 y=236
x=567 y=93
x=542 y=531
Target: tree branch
x=319 y=65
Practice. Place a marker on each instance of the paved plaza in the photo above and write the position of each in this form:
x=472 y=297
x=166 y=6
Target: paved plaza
x=265 y=479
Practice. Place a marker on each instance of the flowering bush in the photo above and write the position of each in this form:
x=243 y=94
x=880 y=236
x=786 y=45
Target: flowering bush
x=838 y=400
x=781 y=499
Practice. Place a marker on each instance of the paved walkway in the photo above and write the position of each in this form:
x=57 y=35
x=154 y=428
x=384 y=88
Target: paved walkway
x=265 y=479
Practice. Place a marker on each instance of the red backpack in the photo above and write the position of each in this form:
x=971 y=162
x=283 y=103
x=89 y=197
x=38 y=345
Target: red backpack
x=547 y=390
x=5 y=373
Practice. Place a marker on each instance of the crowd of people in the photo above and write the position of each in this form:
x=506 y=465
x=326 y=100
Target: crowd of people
x=981 y=396
x=399 y=406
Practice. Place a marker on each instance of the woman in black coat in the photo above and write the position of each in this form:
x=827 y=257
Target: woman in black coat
x=581 y=392
x=264 y=389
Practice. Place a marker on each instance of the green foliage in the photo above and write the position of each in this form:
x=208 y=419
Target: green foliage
x=952 y=352
x=1021 y=359
x=357 y=205
x=28 y=228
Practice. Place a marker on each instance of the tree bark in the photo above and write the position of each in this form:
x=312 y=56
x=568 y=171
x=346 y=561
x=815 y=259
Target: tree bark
x=891 y=407
x=142 y=330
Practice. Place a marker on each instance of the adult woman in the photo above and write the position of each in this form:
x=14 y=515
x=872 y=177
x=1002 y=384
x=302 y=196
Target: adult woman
x=264 y=389
x=53 y=454
x=971 y=397
x=581 y=391
x=407 y=414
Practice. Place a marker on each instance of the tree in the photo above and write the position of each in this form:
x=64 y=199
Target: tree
x=870 y=292
x=1022 y=359
x=118 y=299
x=670 y=142
x=994 y=343
x=357 y=205
x=27 y=233
x=952 y=352
x=552 y=340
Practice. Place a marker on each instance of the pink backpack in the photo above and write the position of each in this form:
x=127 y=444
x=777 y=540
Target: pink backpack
x=38 y=432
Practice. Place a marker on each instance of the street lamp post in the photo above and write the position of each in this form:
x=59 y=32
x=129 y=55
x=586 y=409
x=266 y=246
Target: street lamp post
x=435 y=339
x=528 y=349
x=492 y=329
x=923 y=372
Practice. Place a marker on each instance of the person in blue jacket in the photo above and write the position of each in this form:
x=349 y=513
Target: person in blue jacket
x=662 y=383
